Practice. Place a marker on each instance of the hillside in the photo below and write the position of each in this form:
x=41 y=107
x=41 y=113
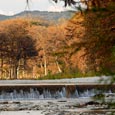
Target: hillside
x=3 y=17
x=41 y=14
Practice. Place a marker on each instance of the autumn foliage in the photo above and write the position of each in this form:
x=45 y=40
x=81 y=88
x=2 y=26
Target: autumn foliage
x=92 y=38
x=33 y=48
x=28 y=47
x=16 y=45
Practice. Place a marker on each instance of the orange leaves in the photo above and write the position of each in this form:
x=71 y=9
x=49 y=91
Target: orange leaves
x=17 y=32
x=93 y=36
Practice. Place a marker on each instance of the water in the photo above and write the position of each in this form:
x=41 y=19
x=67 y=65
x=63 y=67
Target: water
x=35 y=93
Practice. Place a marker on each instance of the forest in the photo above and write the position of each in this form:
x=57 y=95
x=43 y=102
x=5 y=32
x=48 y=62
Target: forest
x=38 y=49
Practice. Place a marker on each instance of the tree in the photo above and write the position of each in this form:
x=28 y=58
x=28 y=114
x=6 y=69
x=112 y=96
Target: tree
x=48 y=44
x=3 y=50
x=89 y=39
x=19 y=45
x=88 y=3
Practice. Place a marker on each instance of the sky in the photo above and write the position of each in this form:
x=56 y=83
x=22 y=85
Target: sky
x=11 y=7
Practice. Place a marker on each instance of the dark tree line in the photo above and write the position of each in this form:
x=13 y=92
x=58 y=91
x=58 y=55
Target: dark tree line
x=15 y=45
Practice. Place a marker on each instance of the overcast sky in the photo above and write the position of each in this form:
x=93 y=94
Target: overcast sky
x=10 y=7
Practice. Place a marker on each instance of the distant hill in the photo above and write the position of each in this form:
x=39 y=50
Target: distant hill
x=41 y=14
x=3 y=17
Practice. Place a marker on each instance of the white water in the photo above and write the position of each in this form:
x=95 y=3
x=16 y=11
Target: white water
x=31 y=94
x=34 y=94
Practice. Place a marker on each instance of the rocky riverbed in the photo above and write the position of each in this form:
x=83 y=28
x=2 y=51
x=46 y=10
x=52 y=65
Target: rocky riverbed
x=81 y=106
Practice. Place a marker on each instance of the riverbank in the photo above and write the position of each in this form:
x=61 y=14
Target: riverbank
x=81 y=106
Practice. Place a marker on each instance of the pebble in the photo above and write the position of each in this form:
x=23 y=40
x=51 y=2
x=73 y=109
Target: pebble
x=51 y=107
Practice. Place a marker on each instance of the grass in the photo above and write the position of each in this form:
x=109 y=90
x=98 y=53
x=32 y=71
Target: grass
x=68 y=75
x=76 y=74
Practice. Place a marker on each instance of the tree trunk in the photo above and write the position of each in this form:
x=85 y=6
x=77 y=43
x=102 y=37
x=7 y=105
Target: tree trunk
x=15 y=67
x=57 y=64
x=1 y=67
x=45 y=63
x=23 y=67
x=10 y=69
x=41 y=66
x=15 y=72
x=45 y=66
